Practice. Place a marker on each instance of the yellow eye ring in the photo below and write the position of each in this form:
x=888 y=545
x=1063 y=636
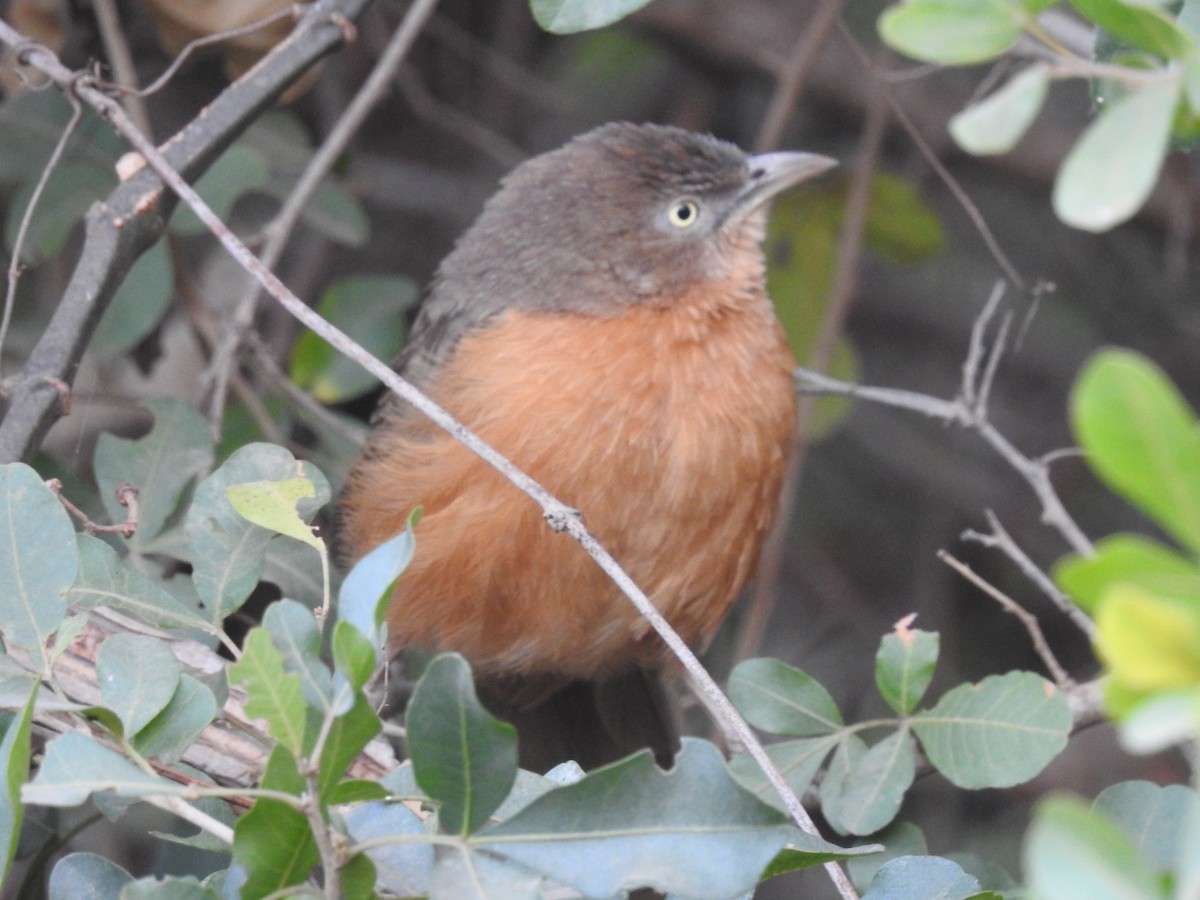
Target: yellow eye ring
x=683 y=213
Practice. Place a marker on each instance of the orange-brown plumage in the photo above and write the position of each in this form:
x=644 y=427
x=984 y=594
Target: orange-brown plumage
x=659 y=403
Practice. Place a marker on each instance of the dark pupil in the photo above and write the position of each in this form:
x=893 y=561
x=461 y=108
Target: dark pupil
x=684 y=212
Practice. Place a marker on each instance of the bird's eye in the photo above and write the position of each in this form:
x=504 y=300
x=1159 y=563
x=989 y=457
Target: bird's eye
x=683 y=213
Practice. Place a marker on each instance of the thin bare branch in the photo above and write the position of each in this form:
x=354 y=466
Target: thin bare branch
x=280 y=229
x=914 y=134
x=558 y=515
x=1001 y=540
x=969 y=415
x=292 y=12
x=975 y=350
x=14 y=264
x=121 y=60
x=1057 y=672
x=842 y=292
x=790 y=81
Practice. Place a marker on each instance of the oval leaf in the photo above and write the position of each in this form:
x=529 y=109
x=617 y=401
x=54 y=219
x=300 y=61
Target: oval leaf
x=570 y=16
x=868 y=796
x=1074 y=853
x=995 y=124
x=38 y=560
x=997 y=733
x=951 y=32
x=462 y=756
x=1141 y=437
x=782 y=699
x=1112 y=168
x=138 y=676
x=1149 y=643
x=1129 y=559
x=904 y=666
x=922 y=878
x=1153 y=817
x=75 y=767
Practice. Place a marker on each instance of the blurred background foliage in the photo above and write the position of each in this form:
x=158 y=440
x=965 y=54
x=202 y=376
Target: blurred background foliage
x=484 y=87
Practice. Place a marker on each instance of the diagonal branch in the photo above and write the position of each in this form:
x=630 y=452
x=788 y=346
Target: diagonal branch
x=558 y=515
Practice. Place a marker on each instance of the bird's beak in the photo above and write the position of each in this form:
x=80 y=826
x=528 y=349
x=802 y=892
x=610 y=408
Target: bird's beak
x=772 y=173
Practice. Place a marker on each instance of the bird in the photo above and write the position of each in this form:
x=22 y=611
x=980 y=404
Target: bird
x=605 y=324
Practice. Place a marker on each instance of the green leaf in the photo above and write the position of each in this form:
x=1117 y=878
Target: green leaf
x=1114 y=165
x=570 y=16
x=476 y=876
x=1138 y=24
x=228 y=553
x=1155 y=722
x=274 y=842
x=1152 y=817
x=138 y=305
x=1141 y=438
x=1130 y=559
x=402 y=868
x=690 y=831
x=31 y=123
x=105 y=580
x=952 y=32
x=137 y=675
x=904 y=666
x=161 y=465
x=14 y=753
x=272 y=504
x=997 y=733
x=995 y=124
x=238 y=171
x=353 y=656
x=294 y=634
x=900 y=838
x=285 y=142
x=901 y=226
x=348 y=735
x=75 y=767
x=272 y=694
x=86 y=875
x=357 y=878
x=781 y=699
x=364 y=594
x=1073 y=853
x=805 y=851
x=167 y=735
x=850 y=750
x=168 y=888
x=798 y=762
x=1150 y=643
x=369 y=309
x=869 y=795
x=922 y=878
x=462 y=757
x=38 y=560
